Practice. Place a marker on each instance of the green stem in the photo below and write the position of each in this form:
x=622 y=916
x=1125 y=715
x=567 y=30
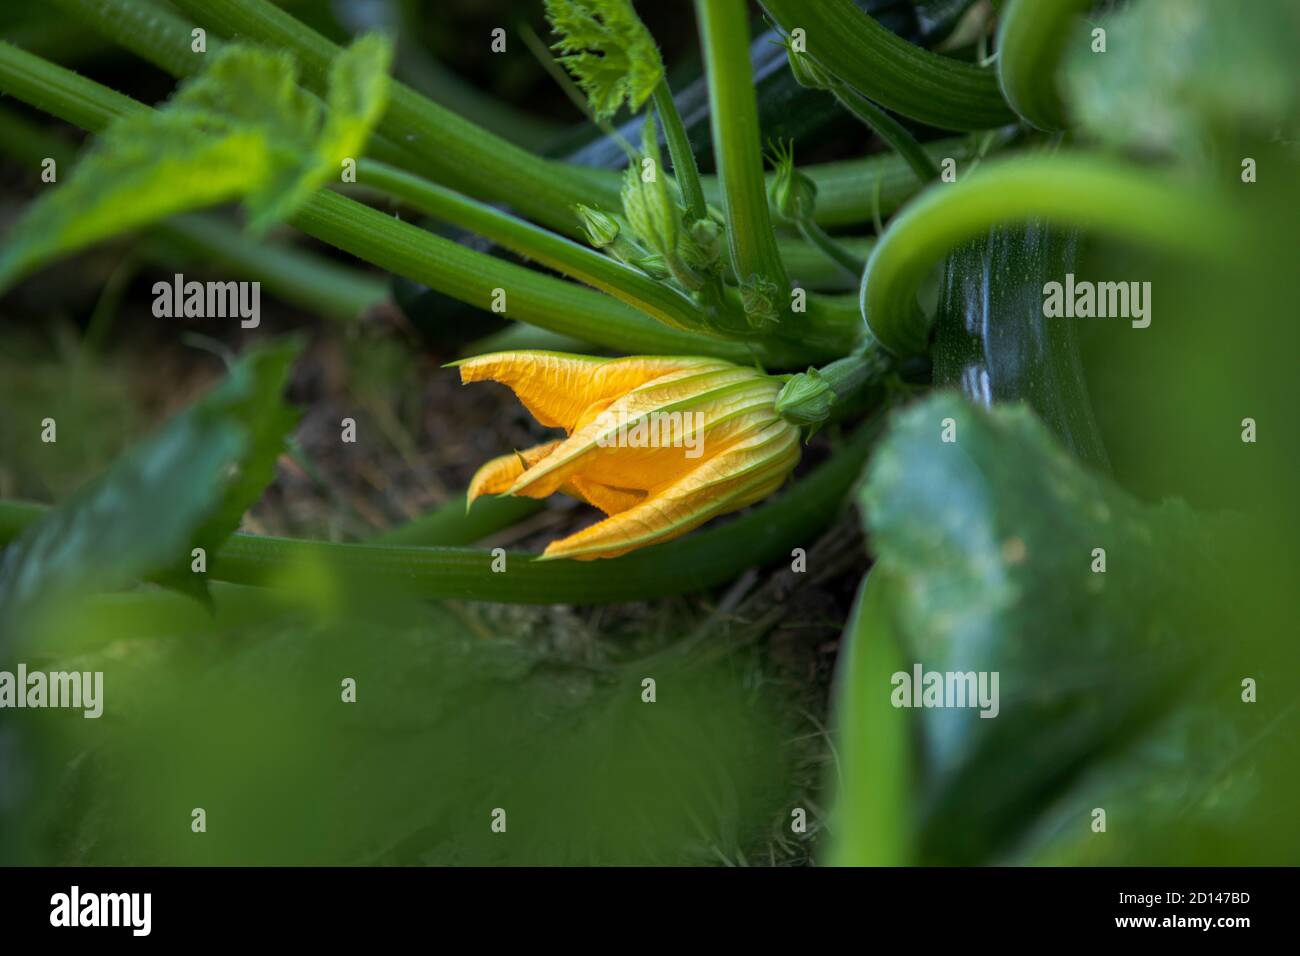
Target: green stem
x=580 y=262
x=451 y=149
x=890 y=130
x=157 y=35
x=697 y=562
x=451 y=525
x=462 y=273
x=832 y=392
x=474 y=278
x=737 y=150
x=311 y=282
x=813 y=268
x=61 y=92
x=679 y=148
x=888 y=70
x=818 y=237
x=844 y=187
x=1032 y=37
x=293 y=275
x=1090 y=192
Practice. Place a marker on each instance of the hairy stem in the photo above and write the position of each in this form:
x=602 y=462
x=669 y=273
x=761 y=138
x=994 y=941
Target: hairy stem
x=885 y=68
x=451 y=149
x=580 y=262
x=724 y=35
x=679 y=148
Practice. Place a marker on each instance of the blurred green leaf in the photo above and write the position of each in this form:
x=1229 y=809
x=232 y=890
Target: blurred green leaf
x=1177 y=73
x=991 y=541
x=243 y=715
x=872 y=823
x=241 y=129
x=186 y=486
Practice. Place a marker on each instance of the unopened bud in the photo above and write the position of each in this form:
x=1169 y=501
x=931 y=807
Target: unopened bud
x=601 y=228
x=806 y=399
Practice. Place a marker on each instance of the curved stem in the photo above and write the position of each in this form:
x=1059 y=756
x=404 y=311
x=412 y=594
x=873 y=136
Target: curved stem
x=699 y=561
x=1032 y=36
x=885 y=68
x=1086 y=191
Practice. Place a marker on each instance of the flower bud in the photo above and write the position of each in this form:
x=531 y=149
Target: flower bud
x=601 y=228
x=758 y=297
x=792 y=193
x=701 y=246
x=651 y=210
x=806 y=399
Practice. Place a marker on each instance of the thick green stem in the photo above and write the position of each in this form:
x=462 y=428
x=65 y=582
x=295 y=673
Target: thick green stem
x=484 y=281
x=452 y=150
x=312 y=282
x=1031 y=43
x=890 y=130
x=462 y=273
x=156 y=34
x=737 y=150
x=888 y=70
x=61 y=92
x=580 y=262
x=1090 y=192
x=699 y=561
x=451 y=525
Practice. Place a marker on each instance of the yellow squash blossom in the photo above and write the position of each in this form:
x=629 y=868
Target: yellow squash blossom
x=661 y=444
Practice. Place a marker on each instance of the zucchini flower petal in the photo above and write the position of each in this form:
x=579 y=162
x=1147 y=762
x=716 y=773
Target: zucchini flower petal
x=660 y=444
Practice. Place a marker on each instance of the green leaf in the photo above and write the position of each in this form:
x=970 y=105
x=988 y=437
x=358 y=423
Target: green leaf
x=241 y=129
x=1178 y=73
x=991 y=541
x=184 y=487
x=608 y=50
x=252 y=396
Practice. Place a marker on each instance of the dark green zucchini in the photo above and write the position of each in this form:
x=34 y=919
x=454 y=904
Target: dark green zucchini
x=994 y=343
